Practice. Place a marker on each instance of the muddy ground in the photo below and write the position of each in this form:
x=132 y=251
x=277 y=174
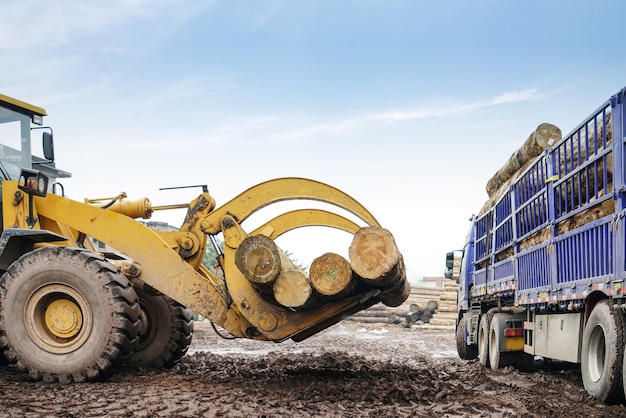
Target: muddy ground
x=349 y=370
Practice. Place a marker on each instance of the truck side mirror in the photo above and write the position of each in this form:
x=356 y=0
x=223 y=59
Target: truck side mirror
x=453 y=264
x=48 y=146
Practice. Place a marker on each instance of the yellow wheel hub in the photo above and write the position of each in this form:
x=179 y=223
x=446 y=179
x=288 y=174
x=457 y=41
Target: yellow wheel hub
x=63 y=318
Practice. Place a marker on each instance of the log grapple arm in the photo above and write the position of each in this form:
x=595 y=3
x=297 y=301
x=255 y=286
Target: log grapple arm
x=171 y=262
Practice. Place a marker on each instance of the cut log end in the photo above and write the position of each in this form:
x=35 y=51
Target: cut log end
x=373 y=252
x=331 y=275
x=259 y=259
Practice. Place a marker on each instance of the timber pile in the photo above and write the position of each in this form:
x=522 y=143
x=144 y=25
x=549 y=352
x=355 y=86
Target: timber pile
x=446 y=315
x=418 y=309
x=375 y=262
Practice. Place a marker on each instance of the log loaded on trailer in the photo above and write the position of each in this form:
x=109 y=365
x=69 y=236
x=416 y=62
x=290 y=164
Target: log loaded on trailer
x=543 y=270
x=70 y=312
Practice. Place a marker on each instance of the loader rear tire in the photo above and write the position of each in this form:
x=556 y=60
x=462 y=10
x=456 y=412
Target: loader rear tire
x=602 y=353
x=167 y=329
x=483 y=339
x=67 y=315
x=466 y=352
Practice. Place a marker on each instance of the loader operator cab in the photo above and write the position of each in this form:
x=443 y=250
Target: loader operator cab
x=19 y=121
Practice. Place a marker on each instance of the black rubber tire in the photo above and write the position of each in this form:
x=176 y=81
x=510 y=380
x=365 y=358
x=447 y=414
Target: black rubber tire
x=67 y=315
x=602 y=353
x=167 y=329
x=466 y=352
x=524 y=362
x=498 y=359
x=483 y=339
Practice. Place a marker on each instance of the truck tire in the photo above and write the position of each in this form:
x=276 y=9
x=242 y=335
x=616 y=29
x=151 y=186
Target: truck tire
x=498 y=359
x=483 y=339
x=67 y=315
x=466 y=352
x=167 y=329
x=602 y=353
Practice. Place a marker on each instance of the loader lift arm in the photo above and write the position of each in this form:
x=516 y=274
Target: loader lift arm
x=177 y=272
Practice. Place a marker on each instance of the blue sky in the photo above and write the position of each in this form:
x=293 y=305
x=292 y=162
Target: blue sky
x=408 y=106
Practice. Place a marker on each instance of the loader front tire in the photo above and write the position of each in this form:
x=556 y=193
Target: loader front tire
x=67 y=315
x=167 y=329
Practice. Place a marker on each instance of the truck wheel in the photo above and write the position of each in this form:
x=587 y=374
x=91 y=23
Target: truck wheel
x=483 y=339
x=602 y=353
x=167 y=329
x=466 y=352
x=67 y=315
x=497 y=358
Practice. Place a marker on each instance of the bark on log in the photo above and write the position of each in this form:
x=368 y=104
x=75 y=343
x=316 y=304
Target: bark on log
x=540 y=140
x=397 y=294
x=331 y=275
x=292 y=289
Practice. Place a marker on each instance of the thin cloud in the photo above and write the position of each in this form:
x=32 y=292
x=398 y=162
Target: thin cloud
x=299 y=127
x=451 y=109
x=515 y=96
x=55 y=23
x=267 y=14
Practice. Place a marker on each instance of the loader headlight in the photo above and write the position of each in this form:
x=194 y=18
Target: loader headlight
x=33 y=182
x=37 y=119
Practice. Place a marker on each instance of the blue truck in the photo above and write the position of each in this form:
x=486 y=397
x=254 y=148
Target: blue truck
x=542 y=274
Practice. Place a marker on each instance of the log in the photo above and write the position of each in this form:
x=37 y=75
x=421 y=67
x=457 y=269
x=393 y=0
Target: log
x=373 y=255
x=331 y=275
x=540 y=140
x=366 y=320
x=292 y=289
x=376 y=314
x=260 y=260
x=376 y=260
x=414 y=307
x=432 y=305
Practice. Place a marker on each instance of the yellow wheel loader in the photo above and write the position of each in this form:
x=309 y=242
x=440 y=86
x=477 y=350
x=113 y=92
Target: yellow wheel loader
x=71 y=311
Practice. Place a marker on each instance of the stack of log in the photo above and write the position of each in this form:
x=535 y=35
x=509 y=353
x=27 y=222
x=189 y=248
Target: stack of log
x=600 y=135
x=419 y=308
x=446 y=315
x=375 y=262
